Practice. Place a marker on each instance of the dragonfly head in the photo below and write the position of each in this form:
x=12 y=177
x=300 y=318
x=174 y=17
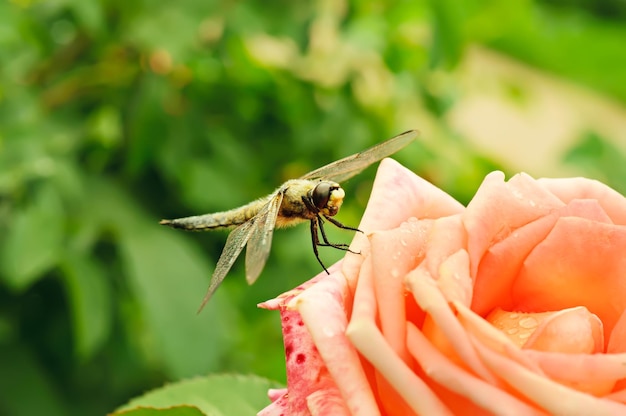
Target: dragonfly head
x=327 y=197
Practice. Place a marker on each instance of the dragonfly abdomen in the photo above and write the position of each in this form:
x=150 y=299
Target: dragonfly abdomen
x=217 y=220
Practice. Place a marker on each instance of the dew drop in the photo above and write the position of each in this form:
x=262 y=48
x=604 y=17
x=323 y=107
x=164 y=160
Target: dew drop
x=528 y=323
x=524 y=335
x=512 y=331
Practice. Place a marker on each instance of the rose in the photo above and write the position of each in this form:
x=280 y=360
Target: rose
x=513 y=305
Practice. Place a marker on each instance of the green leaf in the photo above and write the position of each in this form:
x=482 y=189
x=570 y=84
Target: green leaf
x=90 y=298
x=168 y=277
x=448 y=44
x=170 y=411
x=33 y=240
x=25 y=388
x=223 y=394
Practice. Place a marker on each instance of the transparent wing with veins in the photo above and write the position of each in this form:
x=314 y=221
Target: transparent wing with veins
x=260 y=241
x=257 y=234
x=347 y=167
x=236 y=241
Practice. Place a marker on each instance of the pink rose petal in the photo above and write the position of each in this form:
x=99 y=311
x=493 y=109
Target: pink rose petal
x=405 y=331
x=573 y=330
x=500 y=207
x=592 y=373
x=398 y=194
x=439 y=368
x=402 y=246
x=568 y=189
x=431 y=300
x=408 y=392
x=617 y=342
x=501 y=264
x=550 y=395
x=580 y=263
x=421 y=400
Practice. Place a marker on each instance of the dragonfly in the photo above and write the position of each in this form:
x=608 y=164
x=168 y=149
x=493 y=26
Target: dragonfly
x=315 y=197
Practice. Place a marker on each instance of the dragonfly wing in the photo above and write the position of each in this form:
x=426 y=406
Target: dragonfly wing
x=236 y=241
x=261 y=239
x=347 y=167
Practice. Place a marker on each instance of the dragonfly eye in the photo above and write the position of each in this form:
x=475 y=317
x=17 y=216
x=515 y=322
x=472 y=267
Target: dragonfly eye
x=327 y=197
x=321 y=194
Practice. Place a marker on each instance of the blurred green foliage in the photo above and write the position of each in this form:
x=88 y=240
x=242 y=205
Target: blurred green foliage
x=115 y=114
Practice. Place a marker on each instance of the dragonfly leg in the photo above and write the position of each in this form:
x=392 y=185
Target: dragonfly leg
x=340 y=225
x=316 y=242
x=344 y=247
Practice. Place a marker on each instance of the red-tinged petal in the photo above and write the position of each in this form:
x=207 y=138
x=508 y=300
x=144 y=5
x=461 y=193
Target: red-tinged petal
x=275 y=394
x=278 y=407
x=545 y=393
x=323 y=310
x=499 y=207
x=447 y=374
x=285 y=298
x=305 y=367
x=573 y=330
x=329 y=402
x=306 y=372
x=580 y=263
x=568 y=189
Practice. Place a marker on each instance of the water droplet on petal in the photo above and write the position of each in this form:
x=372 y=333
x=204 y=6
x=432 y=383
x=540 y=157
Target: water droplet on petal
x=528 y=323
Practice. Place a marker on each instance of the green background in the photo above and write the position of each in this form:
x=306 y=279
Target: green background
x=115 y=114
